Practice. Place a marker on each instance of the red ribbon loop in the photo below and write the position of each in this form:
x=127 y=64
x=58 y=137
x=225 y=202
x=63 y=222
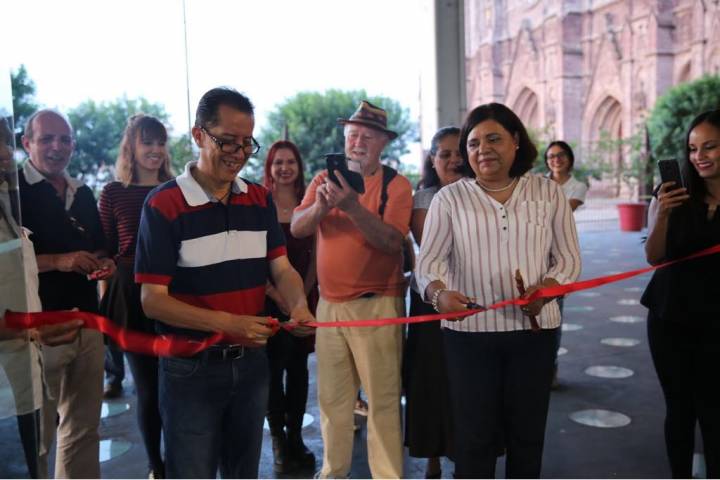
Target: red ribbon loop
x=172 y=345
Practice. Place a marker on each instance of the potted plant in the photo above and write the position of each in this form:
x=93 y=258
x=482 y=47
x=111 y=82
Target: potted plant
x=637 y=175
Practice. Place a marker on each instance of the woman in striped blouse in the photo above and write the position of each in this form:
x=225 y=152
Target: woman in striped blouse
x=498 y=220
x=143 y=163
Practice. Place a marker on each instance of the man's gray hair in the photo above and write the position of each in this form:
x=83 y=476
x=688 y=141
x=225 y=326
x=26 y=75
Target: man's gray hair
x=28 y=133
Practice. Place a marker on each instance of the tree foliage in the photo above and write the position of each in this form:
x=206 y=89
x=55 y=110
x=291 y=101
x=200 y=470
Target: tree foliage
x=23 y=98
x=673 y=112
x=311 y=122
x=98 y=128
x=181 y=151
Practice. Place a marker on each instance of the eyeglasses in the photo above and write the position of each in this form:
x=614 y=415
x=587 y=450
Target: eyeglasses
x=249 y=145
x=559 y=155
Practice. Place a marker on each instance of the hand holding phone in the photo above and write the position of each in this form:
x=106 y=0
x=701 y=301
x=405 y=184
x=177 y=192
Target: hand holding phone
x=670 y=196
x=670 y=172
x=338 y=161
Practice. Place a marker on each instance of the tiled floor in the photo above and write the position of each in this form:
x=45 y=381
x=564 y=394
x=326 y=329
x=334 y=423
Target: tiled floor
x=605 y=420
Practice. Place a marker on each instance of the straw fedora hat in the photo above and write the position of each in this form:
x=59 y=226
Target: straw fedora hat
x=371 y=116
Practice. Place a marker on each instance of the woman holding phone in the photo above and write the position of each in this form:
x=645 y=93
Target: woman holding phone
x=684 y=299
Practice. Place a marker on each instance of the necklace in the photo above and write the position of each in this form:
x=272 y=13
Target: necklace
x=226 y=195
x=501 y=189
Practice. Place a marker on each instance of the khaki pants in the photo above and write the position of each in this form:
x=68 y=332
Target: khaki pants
x=74 y=376
x=346 y=358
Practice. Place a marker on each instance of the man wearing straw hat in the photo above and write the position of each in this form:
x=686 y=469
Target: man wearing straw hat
x=359 y=263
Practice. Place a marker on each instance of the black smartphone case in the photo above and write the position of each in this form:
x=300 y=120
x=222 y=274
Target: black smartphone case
x=670 y=172
x=339 y=162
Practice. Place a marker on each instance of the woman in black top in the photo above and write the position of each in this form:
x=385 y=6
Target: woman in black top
x=684 y=300
x=288 y=354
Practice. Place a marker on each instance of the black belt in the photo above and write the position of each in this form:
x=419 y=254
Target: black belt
x=223 y=352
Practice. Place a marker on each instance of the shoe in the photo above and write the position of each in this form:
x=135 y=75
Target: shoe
x=112 y=390
x=361 y=407
x=156 y=472
x=433 y=468
x=154 y=475
x=298 y=451
x=282 y=463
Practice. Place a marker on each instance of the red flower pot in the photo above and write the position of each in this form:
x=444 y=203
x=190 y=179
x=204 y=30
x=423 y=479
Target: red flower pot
x=632 y=216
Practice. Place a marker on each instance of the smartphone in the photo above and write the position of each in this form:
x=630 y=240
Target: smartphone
x=670 y=172
x=338 y=161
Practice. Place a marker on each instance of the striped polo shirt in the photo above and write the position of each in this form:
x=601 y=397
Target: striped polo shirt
x=210 y=255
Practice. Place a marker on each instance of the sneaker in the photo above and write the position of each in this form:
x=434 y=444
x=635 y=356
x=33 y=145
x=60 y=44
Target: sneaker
x=112 y=390
x=361 y=407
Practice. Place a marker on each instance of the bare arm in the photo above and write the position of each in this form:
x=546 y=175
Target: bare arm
x=574 y=203
x=275 y=296
x=417 y=223
x=379 y=234
x=658 y=217
x=82 y=262
x=288 y=282
x=304 y=223
x=159 y=305
x=447 y=300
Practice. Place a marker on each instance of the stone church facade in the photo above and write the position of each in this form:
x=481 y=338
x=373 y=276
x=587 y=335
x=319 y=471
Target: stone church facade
x=572 y=69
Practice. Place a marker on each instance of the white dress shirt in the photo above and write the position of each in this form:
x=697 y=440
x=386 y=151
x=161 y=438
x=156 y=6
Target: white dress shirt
x=474 y=244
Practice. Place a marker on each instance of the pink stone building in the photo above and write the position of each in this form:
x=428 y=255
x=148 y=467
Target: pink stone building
x=574 y=68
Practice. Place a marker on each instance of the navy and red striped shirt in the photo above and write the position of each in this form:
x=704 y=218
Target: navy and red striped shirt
x=210 y=255
x=120 y=207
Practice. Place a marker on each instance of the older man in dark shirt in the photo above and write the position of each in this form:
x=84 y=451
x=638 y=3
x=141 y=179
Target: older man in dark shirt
x=62 y=215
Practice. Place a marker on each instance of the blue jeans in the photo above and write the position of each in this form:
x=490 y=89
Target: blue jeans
x=212 y=414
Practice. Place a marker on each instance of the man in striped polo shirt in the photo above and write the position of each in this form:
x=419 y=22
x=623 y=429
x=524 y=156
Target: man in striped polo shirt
x=208 y=244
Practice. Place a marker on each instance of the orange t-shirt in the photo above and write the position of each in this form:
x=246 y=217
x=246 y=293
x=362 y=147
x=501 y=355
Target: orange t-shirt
x=347 y=265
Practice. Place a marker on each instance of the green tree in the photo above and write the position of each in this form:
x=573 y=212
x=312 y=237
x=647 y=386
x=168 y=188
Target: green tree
x=23 y=98
x=310 y=119
x=673 y=112
x=181 y=152
x=98 y=128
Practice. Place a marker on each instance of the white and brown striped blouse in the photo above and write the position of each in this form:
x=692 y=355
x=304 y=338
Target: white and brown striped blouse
x=474 y=244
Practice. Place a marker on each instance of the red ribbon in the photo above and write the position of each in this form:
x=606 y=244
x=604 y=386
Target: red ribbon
x=171 y=345
x=129 y=340
x=545 y=292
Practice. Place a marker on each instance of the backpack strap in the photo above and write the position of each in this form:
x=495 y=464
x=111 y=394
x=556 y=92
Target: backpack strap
x=388 y=173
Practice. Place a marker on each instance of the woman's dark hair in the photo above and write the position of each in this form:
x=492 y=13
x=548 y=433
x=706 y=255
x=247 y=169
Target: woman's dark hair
x=526 y=152
x=268 y=181
x=695 y=184
x=565 y=148
x=429 y=174
x=206 y=114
